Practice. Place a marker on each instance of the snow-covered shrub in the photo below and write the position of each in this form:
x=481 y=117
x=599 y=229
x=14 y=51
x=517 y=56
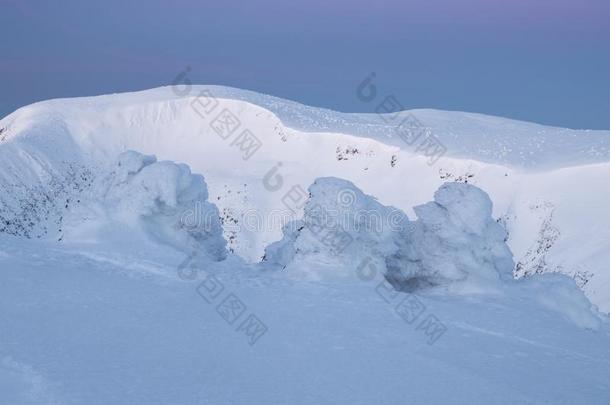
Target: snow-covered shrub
x=341 y=227
x=141 y=194
x=454 y=238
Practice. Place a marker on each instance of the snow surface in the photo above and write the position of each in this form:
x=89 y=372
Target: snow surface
x=86 y=325
x=117 y=267
x=454 y=238
x=549 y=185
x=146 y=198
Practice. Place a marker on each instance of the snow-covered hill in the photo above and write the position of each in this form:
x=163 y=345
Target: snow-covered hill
x=549 y=185
x=355 y=267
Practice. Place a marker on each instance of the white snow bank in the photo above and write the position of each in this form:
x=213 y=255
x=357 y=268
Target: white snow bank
x=454 y=243
x=559 y=293
x=109 y=336
x=341 y=228
x=50 y=150
x=454 y=238
x=155 y=199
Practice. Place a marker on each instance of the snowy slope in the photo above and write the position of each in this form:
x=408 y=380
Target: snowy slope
x=106 y=326
x=549 y=185
x=116 y=286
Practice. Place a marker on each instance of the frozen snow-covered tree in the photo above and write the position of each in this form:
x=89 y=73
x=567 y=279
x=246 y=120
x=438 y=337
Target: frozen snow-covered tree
x=453 y=239
x=162 y=199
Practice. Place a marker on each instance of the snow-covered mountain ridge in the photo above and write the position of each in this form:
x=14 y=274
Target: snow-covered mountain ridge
x=466 y=135
x=363 y=271
x=549 y=185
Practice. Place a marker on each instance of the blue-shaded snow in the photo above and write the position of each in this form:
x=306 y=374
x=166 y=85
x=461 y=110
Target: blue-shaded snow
x=81 y=325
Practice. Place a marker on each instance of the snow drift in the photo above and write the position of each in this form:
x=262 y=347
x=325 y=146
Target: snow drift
x=114 y=320
x=549 y=185
x=453 y=238
x=142 y=197
x=340 y=226
x=454 y=245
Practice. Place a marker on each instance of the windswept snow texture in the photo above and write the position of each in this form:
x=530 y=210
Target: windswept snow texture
x=454 y=245
x=88 y=324
x=110 y=316
x=466 y=135
x=549 y=185
x=340 y=228
x=454 y=238
x=146 y=198
x=118 y=285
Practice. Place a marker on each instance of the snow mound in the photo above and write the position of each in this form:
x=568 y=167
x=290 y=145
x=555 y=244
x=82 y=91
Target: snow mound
x=548 y=185
x=559 y=293
x=154 y=199
x=454 y=245
x=341 y=226
x=454 y=238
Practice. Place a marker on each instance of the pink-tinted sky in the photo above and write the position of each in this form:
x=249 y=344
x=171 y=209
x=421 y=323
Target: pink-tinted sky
x=539 y=60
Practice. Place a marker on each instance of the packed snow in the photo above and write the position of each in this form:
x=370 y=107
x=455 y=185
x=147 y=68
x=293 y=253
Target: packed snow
x=149 y=199
x=233 y=270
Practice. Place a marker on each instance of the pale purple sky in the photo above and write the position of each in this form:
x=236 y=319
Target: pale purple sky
x=546 y=60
